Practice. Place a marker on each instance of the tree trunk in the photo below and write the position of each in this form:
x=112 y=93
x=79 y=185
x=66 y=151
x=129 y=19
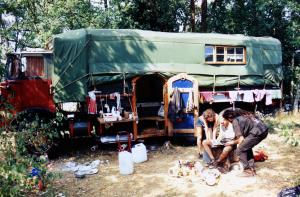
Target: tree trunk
x=105 y=4
x=297 y=84
x=203 y=16
x=193 y=15
x=296 y=100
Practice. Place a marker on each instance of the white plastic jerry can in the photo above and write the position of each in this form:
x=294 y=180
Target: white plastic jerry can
x=139 y=153
x=125 y=162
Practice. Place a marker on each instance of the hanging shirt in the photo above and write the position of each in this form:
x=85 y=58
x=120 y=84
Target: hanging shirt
x=175 y=104
x=268 y=98
x=233 y=95
x=248 y=96
x=208 y=96
x=259 y=94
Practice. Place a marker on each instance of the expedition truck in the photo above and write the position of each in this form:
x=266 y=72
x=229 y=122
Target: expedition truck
x=146 y=83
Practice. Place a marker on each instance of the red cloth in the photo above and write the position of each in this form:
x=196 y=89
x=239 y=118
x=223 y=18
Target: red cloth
x=208 y=96
x=92 y=106
x=260 y=155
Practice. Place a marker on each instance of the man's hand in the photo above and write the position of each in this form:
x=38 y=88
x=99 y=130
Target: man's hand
x=230 y=143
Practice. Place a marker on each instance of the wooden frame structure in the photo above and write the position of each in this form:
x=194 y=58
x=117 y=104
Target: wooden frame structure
x=184 y=76
x=152 y=132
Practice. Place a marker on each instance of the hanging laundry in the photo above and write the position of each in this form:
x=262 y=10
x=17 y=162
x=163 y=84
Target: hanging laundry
x=248 y=96
x=276 y=94
x=240 y=95
x=259 y=94
x=190 y=102
x=233 y=95
x=112 y=96
x=118 y=96
x=220 y=97
x=268 y=97
x=201 y=99
x=208 y=96
x=92 y=104
x=175 y=105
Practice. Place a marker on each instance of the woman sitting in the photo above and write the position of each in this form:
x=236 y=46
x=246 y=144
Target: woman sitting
x=206 y=128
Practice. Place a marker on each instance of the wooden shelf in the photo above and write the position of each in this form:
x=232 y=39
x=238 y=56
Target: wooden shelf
x=156 y=118
x=108 y=95
x=152 y=133
x=117 y=121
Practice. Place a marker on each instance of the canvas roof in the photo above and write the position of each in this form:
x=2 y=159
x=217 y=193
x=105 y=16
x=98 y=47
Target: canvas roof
x=96 y=56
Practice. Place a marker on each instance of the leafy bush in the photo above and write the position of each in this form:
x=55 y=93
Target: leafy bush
x=287 y=132
x=286 y=127
x=22 y=149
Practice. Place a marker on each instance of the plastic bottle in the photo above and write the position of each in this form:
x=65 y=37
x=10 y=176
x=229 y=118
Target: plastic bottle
x=139 y=153
x=125 y=163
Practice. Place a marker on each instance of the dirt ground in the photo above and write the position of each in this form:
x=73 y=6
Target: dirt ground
x=151 y=178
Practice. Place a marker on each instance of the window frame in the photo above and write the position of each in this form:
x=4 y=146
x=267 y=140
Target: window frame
x=225 y=54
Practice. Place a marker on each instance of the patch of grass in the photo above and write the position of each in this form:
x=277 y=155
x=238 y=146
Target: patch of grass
x=287 y=126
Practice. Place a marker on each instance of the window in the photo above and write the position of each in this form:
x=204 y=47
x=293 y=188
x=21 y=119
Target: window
x=225 y=54
x=35 y=66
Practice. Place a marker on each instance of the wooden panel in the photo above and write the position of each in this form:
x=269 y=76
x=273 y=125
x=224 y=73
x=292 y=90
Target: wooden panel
x=101 y=121
x=152 y=133
x=170 y=89
x=166 y=107
x=157 y=118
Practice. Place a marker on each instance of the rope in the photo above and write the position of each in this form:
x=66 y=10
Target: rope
x=71 y=82
x=214 y=84
x=239 y=80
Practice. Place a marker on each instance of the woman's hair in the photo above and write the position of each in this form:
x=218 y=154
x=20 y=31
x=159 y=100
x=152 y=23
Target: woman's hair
x=209 y=113
x=230 y=114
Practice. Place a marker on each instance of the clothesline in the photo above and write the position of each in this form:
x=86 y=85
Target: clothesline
x=241 y=95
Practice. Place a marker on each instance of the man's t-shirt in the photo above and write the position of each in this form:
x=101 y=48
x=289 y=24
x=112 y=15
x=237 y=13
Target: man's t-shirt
x=243 y=126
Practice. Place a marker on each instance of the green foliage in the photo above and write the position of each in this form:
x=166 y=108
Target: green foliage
x=278 y=18
x=157 y=15
x=285 y=130
x=32 y=134
x=34 y=22
x=297 y=182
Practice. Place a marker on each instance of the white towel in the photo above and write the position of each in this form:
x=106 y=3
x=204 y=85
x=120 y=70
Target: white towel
x=268 y=97
x=248 y=96
x=233 y=96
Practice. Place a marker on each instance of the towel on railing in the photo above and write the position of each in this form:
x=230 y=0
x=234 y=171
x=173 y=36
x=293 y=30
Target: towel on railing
x=190 y=102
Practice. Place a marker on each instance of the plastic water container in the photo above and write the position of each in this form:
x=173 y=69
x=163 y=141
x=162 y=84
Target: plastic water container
x=125 y=163
x=139 y=153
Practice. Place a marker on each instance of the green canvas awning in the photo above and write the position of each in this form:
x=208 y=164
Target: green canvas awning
x=89 y=56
